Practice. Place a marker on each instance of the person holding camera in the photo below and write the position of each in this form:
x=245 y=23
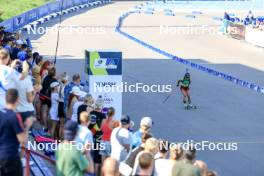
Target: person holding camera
x=9 y=77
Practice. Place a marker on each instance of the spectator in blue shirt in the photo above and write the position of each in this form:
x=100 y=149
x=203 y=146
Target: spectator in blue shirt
x=76 y=80
x=16 y=49
x=11 y=135
x=145 y=126
x=22 y=54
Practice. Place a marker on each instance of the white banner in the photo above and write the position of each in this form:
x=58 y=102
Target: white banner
x=106 y=86
x=255 y=36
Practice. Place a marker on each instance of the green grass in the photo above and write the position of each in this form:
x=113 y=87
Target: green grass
x=10 y=8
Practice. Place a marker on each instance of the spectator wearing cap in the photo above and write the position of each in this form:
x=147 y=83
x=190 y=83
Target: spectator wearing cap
x=11 y=135
x=45 y=95
x=151 y=146
x=77 y=105
x=86 y=106
x=69 y=160
x=16 y=49
x=22 y=54
x=53 y=112
x=164 y=166
x=145 y=126
x=110 y=167
x=127 y=166
x=76 y=80
x=186 y=166
x=106 y=128
x=97 y=133
x=73 y=103
x=84 y=136
x=9 y=77
x=121 y=140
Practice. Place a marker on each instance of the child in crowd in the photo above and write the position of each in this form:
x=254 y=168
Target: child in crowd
x=75 y=96
x=54 y=109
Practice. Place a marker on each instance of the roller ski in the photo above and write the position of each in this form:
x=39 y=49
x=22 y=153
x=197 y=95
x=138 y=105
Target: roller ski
x=189 y=106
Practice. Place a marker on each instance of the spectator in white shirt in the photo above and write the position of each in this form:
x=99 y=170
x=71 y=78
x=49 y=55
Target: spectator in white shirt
x=75 y=107
x=121 y=140
x=75 y=96
x=151 y=146
x=9 y=77
x=26 y=97
x=84 y=138
x=164 y=166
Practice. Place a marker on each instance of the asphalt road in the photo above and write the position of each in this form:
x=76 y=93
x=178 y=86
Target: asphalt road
x=226 y=112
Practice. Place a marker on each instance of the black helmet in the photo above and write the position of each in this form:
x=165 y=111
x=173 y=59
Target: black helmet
x=187 y=75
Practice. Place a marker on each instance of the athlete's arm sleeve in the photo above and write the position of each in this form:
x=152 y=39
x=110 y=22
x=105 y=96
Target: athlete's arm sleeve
x=178 y=83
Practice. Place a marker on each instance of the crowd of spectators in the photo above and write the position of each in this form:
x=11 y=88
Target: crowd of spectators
x=250 y=19
x=31 y=91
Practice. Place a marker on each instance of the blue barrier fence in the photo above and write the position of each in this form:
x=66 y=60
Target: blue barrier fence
x=210 y=71
x=21 y=20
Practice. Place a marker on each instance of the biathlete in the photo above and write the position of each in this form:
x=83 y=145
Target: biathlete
x=185 y=89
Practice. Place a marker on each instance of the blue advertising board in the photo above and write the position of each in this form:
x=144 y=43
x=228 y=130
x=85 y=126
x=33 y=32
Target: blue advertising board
x=21 y=20
x=31 y=15
x=54 y=7
x=43 y=10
